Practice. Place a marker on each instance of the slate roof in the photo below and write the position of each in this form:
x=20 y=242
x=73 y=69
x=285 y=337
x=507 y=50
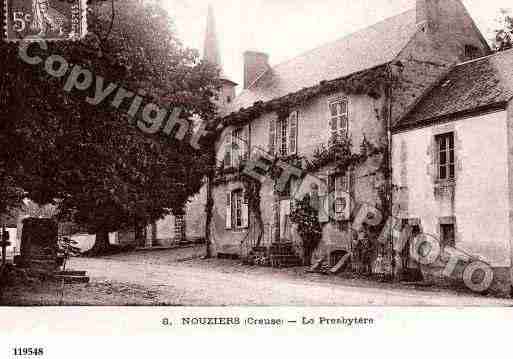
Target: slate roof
x=467 y=88
x=365 y=49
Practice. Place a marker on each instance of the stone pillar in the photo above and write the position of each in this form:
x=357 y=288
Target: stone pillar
x=180 y=230
x=150 y=235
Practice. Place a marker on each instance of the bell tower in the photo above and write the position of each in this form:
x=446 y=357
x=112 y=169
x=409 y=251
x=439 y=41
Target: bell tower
x=212 y=54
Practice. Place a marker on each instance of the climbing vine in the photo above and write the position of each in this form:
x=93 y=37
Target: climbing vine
x=339 y=153
x=252 y=189
x=308 y=226
x=370 y=82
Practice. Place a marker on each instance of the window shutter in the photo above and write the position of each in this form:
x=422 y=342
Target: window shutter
x=229 y=210
x=324 y=205
x=245 y=210
x=339 y=118
x=283 y=138
x=351 y=180
x=333 y=125
x=338 y=196
x=324 y=208
x=342 y=198
x=293 y=133
x=245 y=144
x=228 y=150
x=235 y=148
x=343 y=127
x=344 y=118
x=272 y=136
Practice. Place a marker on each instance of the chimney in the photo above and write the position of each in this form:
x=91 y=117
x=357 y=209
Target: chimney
x=428 y=13
x=255 y=64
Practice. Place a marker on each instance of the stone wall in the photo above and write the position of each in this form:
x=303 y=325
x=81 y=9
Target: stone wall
x=195 y=222
x=433 y=51
x=225 y=241
x=195 y=217
x=313 y=131
x=428 y=56
x=479 y=200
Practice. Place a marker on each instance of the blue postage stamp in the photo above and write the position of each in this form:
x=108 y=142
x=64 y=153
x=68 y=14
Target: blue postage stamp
x=47 y=19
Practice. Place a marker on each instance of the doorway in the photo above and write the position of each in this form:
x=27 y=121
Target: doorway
x=285 y=225
x=411 y=271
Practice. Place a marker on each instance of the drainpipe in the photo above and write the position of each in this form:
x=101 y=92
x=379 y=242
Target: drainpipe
x=389 y=185
x=208 y=209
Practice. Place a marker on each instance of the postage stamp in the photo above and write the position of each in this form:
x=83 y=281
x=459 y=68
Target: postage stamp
x=48 y=19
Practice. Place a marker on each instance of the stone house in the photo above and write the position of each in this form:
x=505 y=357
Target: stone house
x=452 y=161
x=352 y=89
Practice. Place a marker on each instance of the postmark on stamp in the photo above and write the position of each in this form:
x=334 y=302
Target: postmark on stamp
x=47 y=19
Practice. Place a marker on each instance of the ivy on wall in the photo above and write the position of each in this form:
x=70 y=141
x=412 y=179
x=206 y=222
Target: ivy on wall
x=369 y=82
x=308 y=226
x=252 y=188
x=339 y=153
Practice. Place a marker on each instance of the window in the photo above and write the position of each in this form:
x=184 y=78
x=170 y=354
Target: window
x=342 y=197
x=236 y=210
x=445 y=150
x=338 y=118
x=238 y=134
x=341 y=188
x=284 y=124
x=283 y=135
x=447 y=238
x=237 y=202
x=293 y=132
x=236 y=148
x=228 y=99
x=238 y=145
x=471 y=52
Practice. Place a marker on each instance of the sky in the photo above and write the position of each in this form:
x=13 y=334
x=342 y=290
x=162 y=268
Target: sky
x=287 y=28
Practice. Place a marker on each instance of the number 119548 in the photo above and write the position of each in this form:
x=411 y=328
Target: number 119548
x=28 y=351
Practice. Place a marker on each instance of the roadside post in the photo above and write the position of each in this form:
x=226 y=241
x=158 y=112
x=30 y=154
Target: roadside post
x=4 y=242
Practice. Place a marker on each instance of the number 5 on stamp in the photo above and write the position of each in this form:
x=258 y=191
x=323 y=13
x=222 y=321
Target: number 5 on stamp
x=47 y=19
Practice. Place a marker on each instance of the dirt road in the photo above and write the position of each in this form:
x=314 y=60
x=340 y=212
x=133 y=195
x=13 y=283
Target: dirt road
x=196 y=282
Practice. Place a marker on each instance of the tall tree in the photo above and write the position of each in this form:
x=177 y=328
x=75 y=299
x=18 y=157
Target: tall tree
x=107 y=174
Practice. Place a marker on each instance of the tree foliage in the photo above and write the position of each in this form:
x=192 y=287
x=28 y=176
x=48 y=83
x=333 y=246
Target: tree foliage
x=503 y=39
x=105 y=173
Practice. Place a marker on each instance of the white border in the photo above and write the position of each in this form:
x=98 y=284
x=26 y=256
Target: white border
x=83 y=26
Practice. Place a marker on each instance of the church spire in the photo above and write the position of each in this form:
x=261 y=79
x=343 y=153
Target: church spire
x=211 y=51
x=212 y=54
